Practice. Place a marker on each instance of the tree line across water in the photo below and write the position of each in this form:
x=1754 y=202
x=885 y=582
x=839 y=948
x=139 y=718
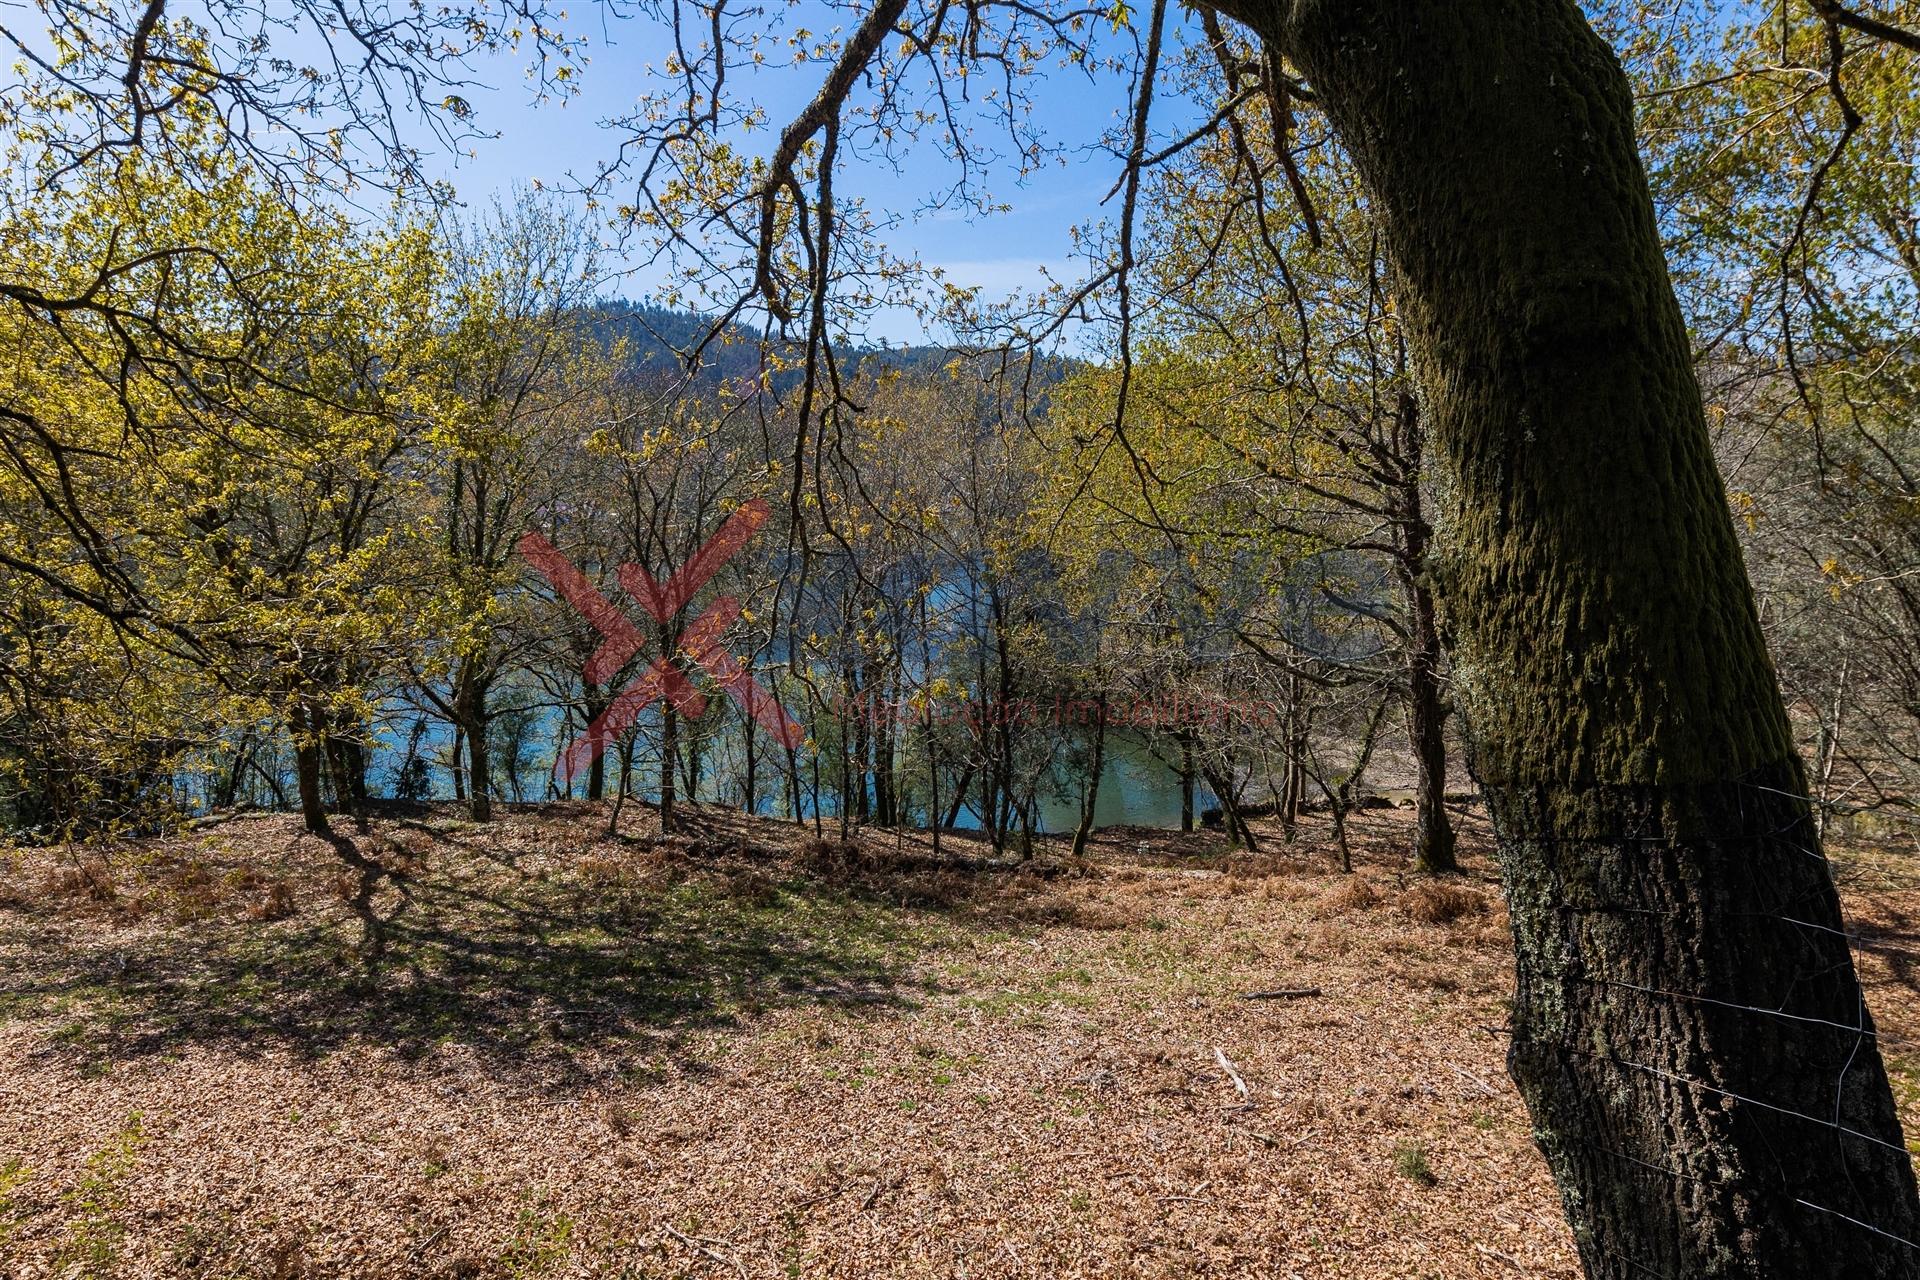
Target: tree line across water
x=319 y=569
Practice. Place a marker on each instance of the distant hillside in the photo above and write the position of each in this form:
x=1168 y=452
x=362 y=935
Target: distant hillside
x=658 y=336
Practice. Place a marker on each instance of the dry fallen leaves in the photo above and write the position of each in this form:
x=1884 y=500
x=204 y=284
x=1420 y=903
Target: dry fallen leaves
x=737 y=1051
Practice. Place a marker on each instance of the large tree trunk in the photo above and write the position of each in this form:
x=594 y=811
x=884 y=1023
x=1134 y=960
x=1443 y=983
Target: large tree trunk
x=479 y=773
x=308 y=770
x=471 y=705
x=1688 y=1031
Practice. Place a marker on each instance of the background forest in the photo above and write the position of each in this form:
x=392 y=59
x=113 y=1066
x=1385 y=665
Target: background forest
x=268 y=463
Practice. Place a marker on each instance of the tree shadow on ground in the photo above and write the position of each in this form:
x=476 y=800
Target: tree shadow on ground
x=551 y=966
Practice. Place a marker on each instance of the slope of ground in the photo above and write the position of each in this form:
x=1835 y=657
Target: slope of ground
x=741 y=1051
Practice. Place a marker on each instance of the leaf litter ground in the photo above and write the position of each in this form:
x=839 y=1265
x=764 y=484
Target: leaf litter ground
x=746 y=1051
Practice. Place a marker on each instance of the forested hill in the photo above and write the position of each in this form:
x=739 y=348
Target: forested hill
x=659 y=336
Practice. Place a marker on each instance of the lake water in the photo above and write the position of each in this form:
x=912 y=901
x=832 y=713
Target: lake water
x=1137 y=788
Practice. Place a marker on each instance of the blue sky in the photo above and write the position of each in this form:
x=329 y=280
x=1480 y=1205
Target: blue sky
x=1002 y=253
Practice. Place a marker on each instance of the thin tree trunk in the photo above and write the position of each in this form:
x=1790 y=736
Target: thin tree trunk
x=1337 y=807
x=1828 y=749
x=272 y=779
x=625 y=747
x=669 y=749
x=933 y=745
x=816 y=795
x=1433 y=840
x=1293 y=778
x=1688 y=1030
x=793 y=783
x=933 y=780
x=356 y=756
x=1340 y=792
x=846 y=774
x=1186 y=781
x=472 y=708
x=859 y=777
x=1096 y=770
x=515 y=748
x=959 y=795
x=886 y=801
x=333 y=752
x=593 y=701
x=1298 y=746
x=456 y=757
x=989 y=791
x=1003 y=726
x=792 y=756
x=692 y=761
x=1230 y=816
x=230 y=786
x=750 y=788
